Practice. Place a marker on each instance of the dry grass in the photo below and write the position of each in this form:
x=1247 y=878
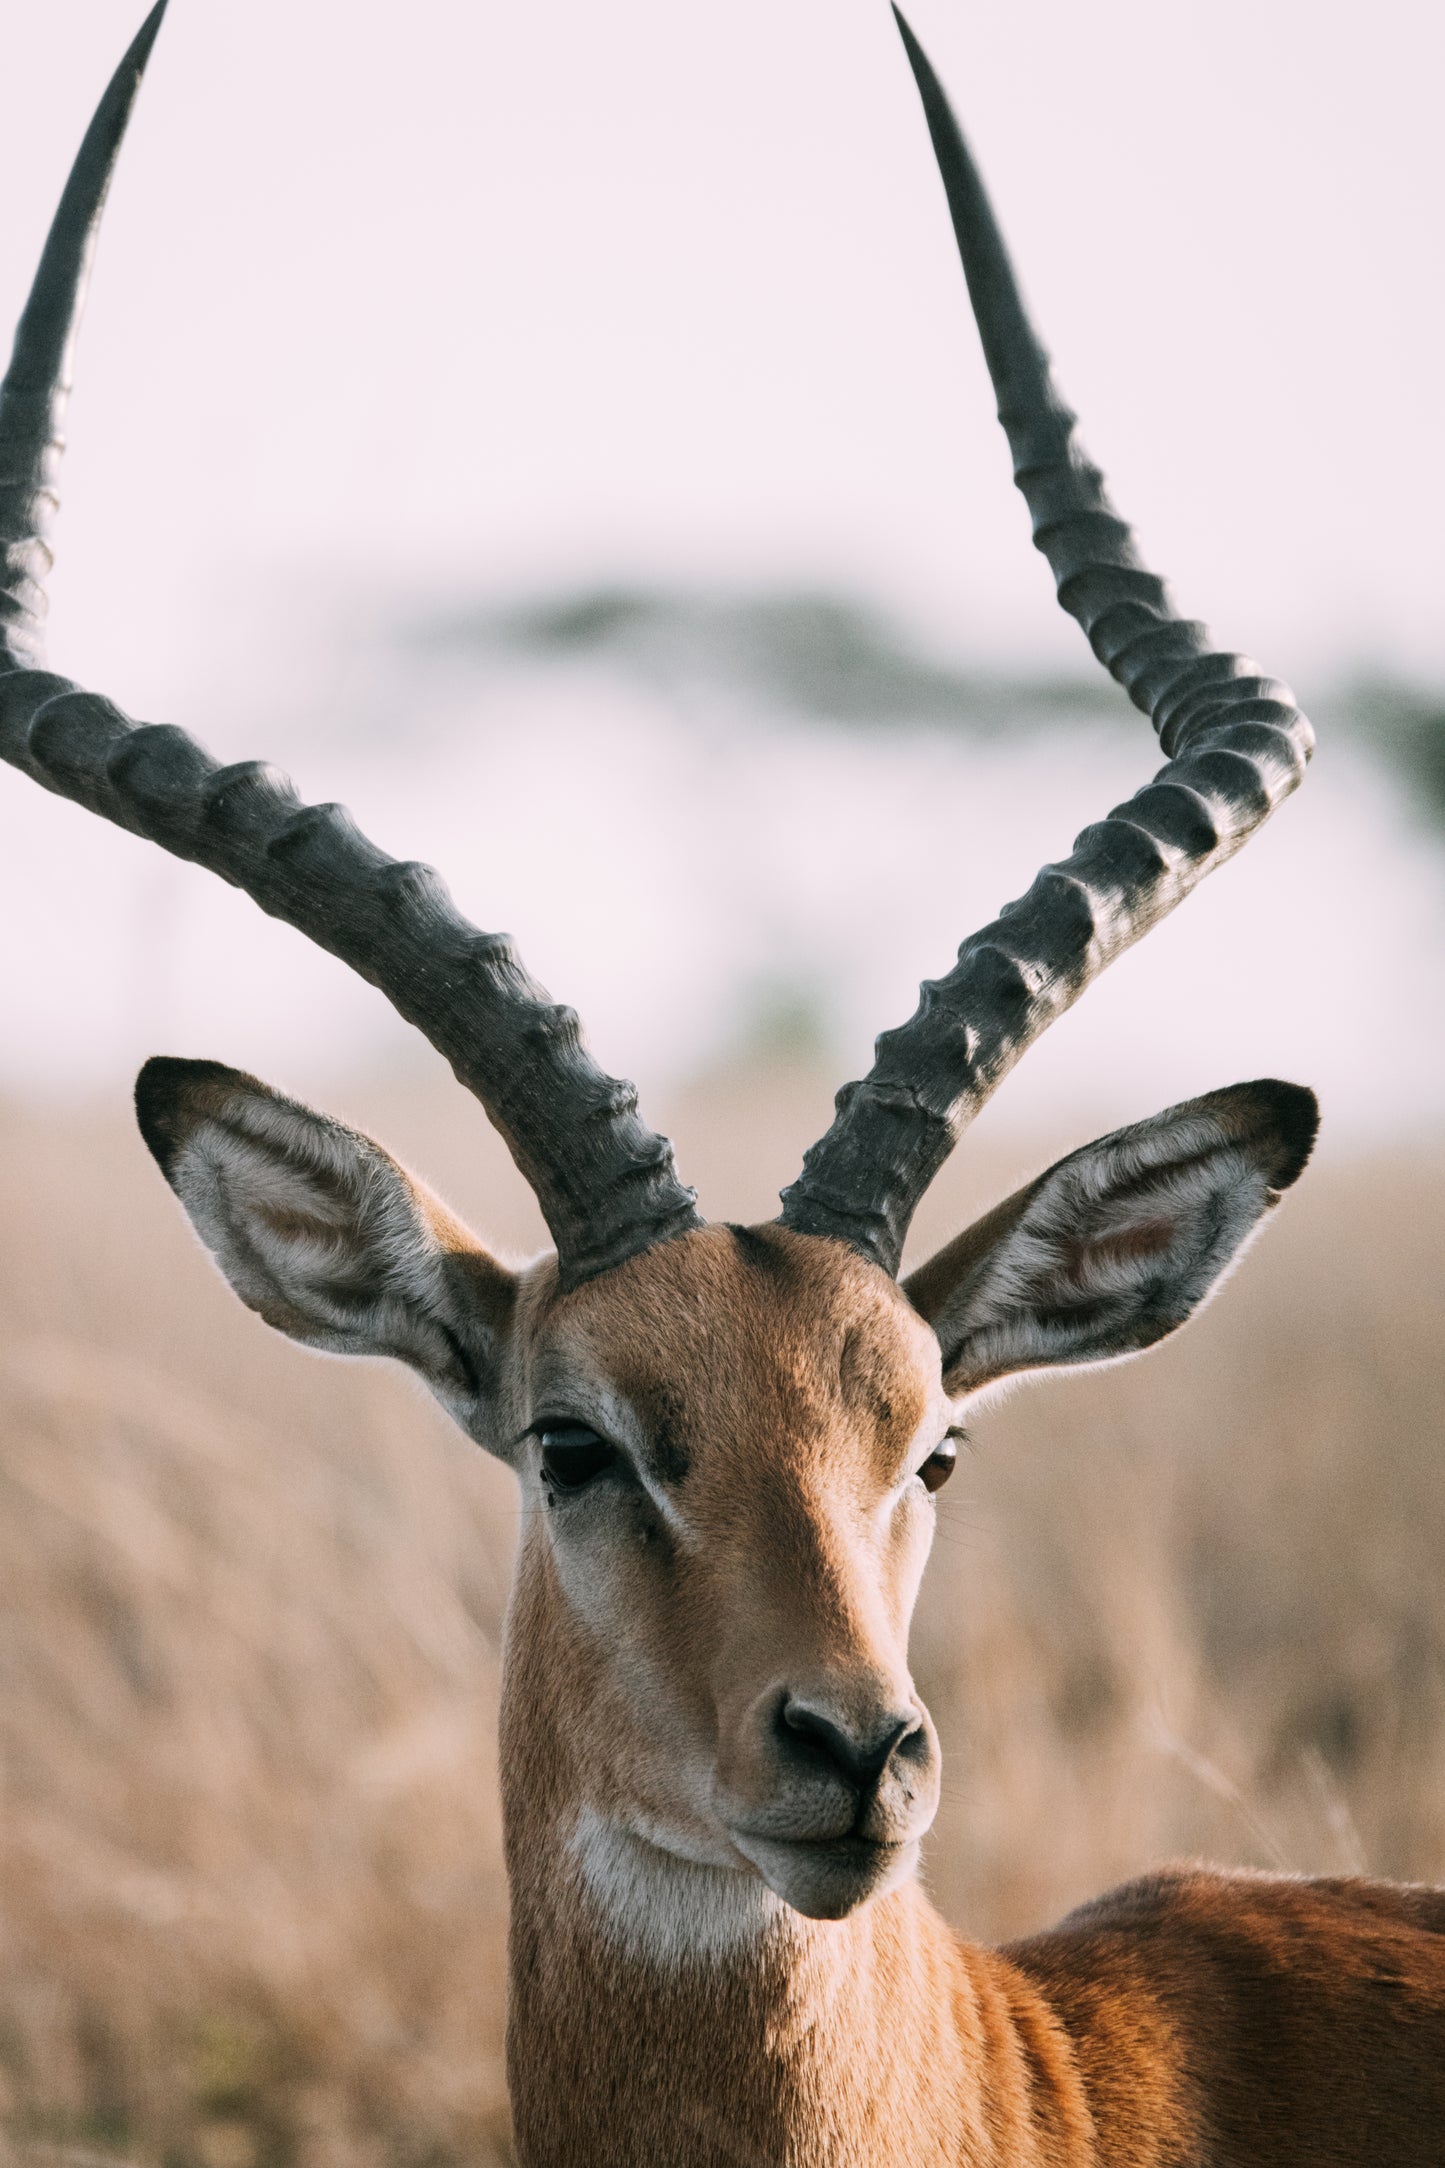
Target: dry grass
x=251 y=1899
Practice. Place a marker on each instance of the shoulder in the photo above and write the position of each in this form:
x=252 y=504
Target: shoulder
x=1204 y=1901
x=1188 y=1923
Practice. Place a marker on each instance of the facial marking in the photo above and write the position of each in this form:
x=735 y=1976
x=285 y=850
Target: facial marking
x=866 y=1379
x=764 y=1255
x=659 y=1906
x=663 y=1426
x=567 y=1386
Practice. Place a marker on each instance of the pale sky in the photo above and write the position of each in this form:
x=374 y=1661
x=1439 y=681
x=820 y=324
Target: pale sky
x=401 y=300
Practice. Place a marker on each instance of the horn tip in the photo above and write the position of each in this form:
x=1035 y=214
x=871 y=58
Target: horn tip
x=145 y=37
x=911 y=45
x=941 y=118
x=152 y=23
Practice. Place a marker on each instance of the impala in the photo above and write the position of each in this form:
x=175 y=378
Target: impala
x=716 y=1769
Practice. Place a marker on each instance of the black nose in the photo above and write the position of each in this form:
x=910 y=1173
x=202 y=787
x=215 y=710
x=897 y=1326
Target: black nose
x=858 y=1751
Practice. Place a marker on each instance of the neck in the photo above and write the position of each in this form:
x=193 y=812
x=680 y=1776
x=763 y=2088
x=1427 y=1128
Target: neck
x=664 y=2010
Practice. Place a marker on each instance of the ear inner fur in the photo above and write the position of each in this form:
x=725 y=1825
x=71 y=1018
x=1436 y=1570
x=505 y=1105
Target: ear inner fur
x=322 y=1233
x=1118 y=1244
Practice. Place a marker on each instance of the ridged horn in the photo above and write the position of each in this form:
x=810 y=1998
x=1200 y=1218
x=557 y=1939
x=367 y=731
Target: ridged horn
x=605 y=1182
x=1238 y=746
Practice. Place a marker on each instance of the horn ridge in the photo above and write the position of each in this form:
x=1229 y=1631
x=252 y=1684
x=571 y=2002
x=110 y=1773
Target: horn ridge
x=1092 y=552
x=606 y=1183
x=1238 y=746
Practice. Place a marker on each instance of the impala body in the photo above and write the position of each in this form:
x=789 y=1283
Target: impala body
x=716 y=1768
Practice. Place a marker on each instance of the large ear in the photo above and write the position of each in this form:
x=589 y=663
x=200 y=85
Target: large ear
x=326 y=1237
x=1119 y=1243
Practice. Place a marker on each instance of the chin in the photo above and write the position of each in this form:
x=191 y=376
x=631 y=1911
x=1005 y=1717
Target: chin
x=828 y=1880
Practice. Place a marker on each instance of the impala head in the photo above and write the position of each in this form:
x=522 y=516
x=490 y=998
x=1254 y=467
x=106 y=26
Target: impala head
x=728 y=1444
x=728 y=1439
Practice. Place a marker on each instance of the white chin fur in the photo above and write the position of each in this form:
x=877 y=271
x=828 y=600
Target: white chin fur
x=662 y=1909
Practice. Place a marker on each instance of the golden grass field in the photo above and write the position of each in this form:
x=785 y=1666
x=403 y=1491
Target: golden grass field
x=252 y=1910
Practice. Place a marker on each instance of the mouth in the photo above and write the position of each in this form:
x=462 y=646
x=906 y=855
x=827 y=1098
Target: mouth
x=829 y=1877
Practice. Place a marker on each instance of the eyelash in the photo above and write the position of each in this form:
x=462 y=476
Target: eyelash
x=943 y=1459
x=573 y=1455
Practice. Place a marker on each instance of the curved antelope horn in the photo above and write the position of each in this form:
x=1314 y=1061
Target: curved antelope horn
x=1237 y=744
x=606 y=1184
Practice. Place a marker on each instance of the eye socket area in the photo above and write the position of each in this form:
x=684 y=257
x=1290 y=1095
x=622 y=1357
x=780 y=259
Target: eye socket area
x=573 y=1455
x=941 y=1462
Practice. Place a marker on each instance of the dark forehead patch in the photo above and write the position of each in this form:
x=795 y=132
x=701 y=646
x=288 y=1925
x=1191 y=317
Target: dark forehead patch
x=756 y=1246
x=660 y=1411
x=866 y=1376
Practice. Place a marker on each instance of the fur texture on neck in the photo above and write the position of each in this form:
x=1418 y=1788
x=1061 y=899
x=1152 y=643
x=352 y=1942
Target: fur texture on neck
x=665 y=2010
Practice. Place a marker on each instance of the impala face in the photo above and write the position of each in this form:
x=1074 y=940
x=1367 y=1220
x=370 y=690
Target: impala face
x=728 y=1447
x=729 y=1464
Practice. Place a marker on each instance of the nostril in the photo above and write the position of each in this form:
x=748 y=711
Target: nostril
x=912 y=1744
x=859 y=1756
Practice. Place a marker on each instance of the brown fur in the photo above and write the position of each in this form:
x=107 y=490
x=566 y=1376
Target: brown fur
x=1195 y=2020
x=720 y=1951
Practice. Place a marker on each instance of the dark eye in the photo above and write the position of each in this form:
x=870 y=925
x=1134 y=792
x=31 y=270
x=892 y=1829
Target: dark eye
x=939 y=1465
x=572 y=1455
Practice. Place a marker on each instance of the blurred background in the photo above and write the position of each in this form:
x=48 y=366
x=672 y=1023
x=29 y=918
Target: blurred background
x=560 y=434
